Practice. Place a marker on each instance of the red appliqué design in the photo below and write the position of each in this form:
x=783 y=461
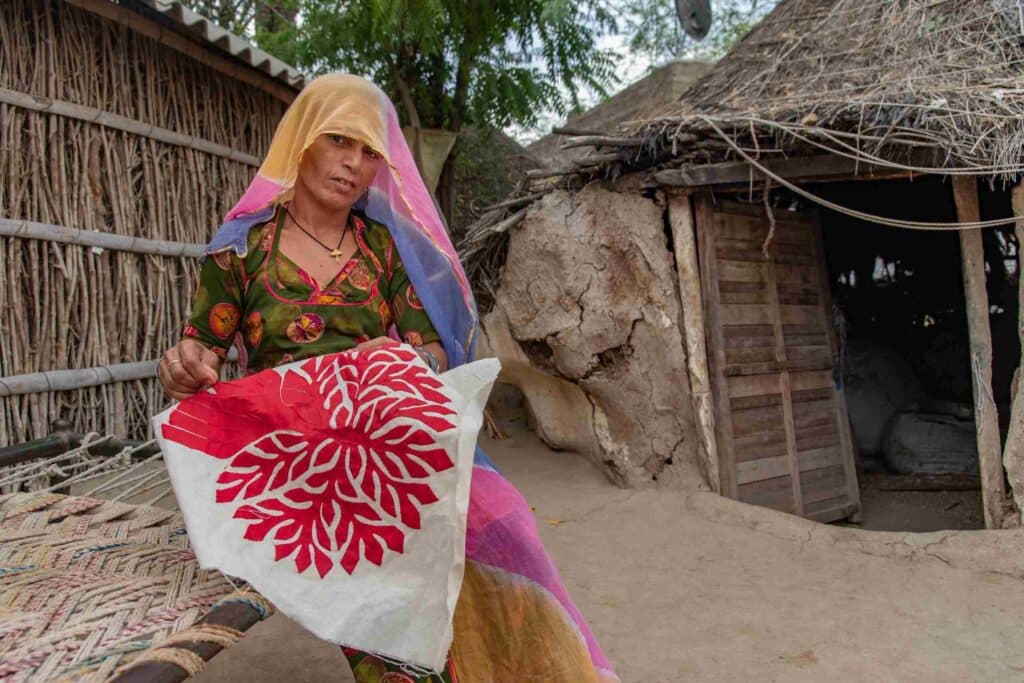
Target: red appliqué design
x=333 y=460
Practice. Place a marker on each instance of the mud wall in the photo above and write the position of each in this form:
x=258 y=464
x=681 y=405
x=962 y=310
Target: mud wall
x=587 y=324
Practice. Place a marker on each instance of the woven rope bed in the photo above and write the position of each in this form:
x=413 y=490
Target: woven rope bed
x=93 y=589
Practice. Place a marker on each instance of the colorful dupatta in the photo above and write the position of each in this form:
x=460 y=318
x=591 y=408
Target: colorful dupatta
x=514 y=620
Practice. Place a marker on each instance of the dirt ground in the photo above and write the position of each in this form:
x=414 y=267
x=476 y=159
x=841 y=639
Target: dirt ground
x=673 y=597
x=917 y=510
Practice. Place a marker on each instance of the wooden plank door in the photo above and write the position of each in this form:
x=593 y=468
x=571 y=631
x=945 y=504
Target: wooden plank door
x=782 y=428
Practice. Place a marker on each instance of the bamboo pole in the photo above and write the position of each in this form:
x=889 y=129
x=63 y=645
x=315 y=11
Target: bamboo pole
x=1013 y=455
x=108 y=120
x=96 y=239
x=66 y=380
x=986 y=419
x=82 y=378
x=680 y=213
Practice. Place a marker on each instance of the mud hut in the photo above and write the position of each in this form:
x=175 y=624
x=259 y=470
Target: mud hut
x=126 y=131
x=683 y=303
x=661 y=87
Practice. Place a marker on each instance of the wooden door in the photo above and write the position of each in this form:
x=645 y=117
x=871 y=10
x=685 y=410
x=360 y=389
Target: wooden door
x=781 y=424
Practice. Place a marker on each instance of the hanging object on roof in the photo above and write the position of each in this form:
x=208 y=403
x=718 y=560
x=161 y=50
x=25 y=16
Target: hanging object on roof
x=695 y=17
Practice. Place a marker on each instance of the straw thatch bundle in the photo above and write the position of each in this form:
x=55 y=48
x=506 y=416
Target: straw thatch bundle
x=874 y=78
x=73 y=306
x=927 y=85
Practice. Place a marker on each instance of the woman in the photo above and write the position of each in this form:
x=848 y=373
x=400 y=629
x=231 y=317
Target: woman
x=335 y=244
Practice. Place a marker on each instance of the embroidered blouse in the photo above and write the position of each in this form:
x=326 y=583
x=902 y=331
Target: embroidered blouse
x=275 y=312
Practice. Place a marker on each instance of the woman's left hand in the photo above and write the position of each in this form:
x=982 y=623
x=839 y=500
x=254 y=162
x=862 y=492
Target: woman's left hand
x=374 y=344
x=384 y=342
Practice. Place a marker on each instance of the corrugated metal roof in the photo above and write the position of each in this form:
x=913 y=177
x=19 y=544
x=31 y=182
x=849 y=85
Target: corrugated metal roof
x=211 y=33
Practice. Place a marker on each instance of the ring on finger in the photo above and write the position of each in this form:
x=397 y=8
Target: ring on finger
x=173 y=361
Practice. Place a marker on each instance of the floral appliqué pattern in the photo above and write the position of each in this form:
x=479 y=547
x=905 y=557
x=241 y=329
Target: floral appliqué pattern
x=331 y=460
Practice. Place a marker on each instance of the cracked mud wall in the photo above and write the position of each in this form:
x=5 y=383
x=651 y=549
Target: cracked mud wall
x=587 y=324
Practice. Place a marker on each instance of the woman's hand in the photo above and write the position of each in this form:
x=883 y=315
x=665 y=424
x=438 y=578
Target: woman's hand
x=186 y=368
x=374 y=344
x=437 y=351
x=383 y=342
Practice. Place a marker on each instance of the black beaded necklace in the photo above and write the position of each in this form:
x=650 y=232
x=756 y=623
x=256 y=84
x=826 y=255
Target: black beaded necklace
x=336 y=251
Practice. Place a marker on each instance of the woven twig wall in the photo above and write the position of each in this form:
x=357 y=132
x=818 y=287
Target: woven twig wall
x=65 y=306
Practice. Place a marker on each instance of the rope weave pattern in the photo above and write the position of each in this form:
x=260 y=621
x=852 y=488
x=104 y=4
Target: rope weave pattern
x=91 y=587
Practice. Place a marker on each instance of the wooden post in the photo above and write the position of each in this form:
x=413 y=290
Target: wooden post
x=986 y=419
x=1013 y=456
x=704 y=218
x=680 y=215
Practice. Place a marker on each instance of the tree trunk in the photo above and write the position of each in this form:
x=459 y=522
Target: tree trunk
x=274 y=15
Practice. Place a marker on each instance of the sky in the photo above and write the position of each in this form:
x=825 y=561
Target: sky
x=632 y=68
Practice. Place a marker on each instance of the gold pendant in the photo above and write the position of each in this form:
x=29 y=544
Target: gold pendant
x=336 y=253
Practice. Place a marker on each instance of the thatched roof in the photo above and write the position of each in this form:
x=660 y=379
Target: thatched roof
x=922 y=85
x=874 y=79
x=639 y=100
x=881 y=76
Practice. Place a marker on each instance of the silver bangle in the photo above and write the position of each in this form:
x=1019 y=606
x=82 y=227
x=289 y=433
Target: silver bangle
x=429 y=358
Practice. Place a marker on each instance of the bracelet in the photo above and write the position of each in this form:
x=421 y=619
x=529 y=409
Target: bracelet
x=428 y=358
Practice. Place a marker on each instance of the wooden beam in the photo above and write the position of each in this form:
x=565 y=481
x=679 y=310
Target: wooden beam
x=986 y=419
x=235 y=615
x=817 y=168
x=684 y=240
x=704 y=218
x=601 y=140
x=122 y=123
x=1013 y=455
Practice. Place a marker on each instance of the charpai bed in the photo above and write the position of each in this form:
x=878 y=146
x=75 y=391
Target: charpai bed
x=98 y=589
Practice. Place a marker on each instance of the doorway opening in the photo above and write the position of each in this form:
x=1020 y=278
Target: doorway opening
x=904 y=353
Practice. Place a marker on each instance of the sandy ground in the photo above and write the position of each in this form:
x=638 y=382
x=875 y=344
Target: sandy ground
x=917 y=510
x=673 y=597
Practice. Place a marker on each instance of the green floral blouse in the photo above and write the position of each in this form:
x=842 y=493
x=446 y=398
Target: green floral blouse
x=276 y=312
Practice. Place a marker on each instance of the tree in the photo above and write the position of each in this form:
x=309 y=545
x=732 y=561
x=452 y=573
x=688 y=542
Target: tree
x=451 y=63
x=268 y=23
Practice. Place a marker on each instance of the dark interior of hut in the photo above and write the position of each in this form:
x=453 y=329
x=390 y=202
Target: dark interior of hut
x=898 y=296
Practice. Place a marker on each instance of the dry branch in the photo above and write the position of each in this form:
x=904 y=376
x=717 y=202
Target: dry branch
x=601 y=141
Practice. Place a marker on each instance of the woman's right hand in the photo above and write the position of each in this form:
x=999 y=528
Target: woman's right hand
x=186 y=368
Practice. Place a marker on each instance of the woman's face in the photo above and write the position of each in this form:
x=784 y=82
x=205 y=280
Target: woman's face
x=336 y=170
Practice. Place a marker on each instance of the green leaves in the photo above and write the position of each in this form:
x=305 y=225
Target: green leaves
x=477 y=62
x=464 y=62
x=655 y=33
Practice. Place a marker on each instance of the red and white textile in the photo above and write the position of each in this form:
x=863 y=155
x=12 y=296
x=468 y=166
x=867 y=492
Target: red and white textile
x=338 y=487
